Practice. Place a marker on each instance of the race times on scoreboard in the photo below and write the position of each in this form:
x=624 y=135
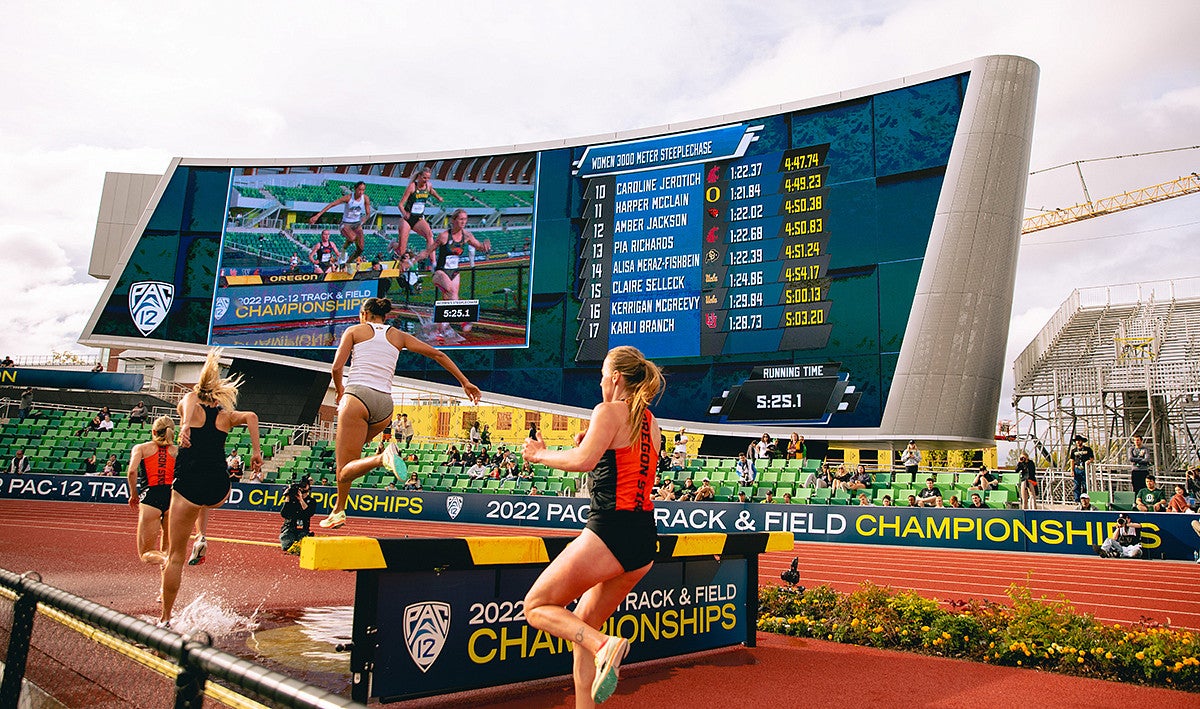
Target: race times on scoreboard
x=720 y=256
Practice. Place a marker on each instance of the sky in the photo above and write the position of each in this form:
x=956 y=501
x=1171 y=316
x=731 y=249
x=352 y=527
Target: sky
x=128 y=89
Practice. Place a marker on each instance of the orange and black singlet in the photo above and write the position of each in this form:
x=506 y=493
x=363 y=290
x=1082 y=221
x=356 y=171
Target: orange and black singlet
x=158 y=469
x=622 y=512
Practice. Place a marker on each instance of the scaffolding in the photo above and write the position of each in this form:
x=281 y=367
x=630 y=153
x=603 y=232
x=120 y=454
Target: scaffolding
x=1114 y=362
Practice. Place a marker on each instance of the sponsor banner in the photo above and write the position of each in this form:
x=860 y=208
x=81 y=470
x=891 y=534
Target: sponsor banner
x=465 y=629
x=66 y=379
x=1165 y=535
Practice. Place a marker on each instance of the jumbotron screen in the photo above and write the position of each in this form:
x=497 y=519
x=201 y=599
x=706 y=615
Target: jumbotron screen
x=768 y=262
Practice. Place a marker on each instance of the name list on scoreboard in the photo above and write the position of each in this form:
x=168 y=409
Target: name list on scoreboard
x=713 y=253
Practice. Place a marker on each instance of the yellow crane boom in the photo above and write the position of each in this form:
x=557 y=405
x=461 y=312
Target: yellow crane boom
x=1189 y=184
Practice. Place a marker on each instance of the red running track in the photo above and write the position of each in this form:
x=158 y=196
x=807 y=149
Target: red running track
x=88 y=549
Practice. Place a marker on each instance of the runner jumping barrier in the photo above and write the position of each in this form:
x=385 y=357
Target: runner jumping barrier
x=433 y=616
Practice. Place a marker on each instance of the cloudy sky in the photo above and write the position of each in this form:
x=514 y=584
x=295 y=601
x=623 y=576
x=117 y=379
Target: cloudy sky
x=126 y=90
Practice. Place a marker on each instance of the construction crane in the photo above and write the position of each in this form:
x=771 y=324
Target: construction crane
x=1188 y=184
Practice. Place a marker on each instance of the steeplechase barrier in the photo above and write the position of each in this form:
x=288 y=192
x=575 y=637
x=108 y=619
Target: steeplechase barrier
x=434 y=616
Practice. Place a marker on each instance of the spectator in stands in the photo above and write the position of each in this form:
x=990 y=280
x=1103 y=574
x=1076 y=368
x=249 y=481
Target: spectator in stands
x=89 y=465
x=954 y=502
x=1081 y=455
x=391 y=485
x=138 y=413
x=533 y=490
x=764 y=449
x=110 y=466
x=19 y=465
x=910 y=458
x=912 y=501
x=1125 y=541
x=26 y=403
x=447 y=251
x=984 y=480
x=98 y=368
x=478 y=471
x=887 y=501
x=405 y=430
x=687 y=493
x=769 y=497
x=744 y=470
x=787 y=498
x=233 y=466
x=863 y=500
x=1085 y=503
x=92 y=425
x=1178 y=501
x=796 y=448
x=742 y=496
x=822 y=478
x=526 y=470
x=1191 y=485
x=680 y=449
x=976 y=502
x=1027 y=480
x=474 y=434
x=413 y=482
x=1140 y=459
x=1151 y=498
x=7 y=362
x=929 y=495
x=860 y=480
x=678 y=461
x=509 y=470
x=841 y=477
x=106 y=424
x=705 y=493
x=454 y=457
x=355 y=215
x=666 y=491
x=411 y=457
x=485 y=436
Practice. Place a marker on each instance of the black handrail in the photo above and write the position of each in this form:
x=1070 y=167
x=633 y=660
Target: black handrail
x=196 y=659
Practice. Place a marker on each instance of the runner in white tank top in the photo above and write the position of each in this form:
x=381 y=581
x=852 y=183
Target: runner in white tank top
x=365 y=401
x=354 y=216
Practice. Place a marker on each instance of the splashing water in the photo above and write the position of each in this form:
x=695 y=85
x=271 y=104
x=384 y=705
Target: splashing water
x=211 y=615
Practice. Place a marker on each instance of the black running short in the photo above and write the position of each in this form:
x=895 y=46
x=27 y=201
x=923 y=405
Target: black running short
x=631 y=536
x=156 y=496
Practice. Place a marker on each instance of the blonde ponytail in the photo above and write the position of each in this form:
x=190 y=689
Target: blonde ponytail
x=163 y=431
x=212 y=389
x=643 y=383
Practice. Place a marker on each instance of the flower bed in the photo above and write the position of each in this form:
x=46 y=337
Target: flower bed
x=1029 y=632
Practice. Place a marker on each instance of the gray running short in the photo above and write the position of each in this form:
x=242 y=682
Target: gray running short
x=379 y=404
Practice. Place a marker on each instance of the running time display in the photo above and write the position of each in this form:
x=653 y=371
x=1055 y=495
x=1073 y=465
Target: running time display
x=713 y=252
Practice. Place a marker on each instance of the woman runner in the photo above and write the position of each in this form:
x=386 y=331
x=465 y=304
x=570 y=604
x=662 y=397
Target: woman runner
x=354 y=216
x=365 y=399
x=201 y=482
x=617 y=547
x=151 y=472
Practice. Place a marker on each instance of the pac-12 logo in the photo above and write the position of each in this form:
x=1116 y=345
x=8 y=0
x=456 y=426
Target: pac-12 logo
x=426 y=625
x=149 y=302
x=454 y=505
x=220 y=307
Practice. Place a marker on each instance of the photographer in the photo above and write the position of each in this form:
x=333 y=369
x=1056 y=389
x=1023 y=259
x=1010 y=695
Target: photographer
x=1126 y=540
x=297 y=512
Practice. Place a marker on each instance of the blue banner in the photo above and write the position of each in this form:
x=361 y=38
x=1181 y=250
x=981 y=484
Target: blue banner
x=456 y=630
x=67 y=379
x=1166 y=535
x=664 y=151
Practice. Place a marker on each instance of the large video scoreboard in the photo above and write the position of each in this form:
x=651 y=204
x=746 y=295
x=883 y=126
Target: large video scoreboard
x=793 y=267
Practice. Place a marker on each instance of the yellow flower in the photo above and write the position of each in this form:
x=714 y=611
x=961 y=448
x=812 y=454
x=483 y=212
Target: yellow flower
x=1140 y=655
x=854 y=623
x=1082 y=653
x=877 y=629
x=1108 y=655
x=924 y=628
x=1079 y=659
x=1018 y=662
x=1157 y=662
x=946 y=635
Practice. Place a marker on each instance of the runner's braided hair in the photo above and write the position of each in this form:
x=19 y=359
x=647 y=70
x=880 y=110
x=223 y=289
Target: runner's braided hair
x=643 y=383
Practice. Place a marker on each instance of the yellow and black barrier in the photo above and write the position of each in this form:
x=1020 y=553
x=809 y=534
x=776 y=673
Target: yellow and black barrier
x=433 y=616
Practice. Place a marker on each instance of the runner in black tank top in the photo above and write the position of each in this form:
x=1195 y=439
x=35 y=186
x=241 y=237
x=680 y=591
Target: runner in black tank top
x=200 y=474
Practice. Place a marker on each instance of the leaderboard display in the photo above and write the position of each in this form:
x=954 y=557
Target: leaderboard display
x=695 y=249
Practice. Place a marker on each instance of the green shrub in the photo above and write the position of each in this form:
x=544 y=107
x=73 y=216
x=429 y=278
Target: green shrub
x=1028 y=632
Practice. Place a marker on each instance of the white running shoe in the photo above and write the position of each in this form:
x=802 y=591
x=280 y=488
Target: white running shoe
x=199 y=549
x=608 y=667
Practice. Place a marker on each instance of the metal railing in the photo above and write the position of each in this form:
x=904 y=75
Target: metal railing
x=191 y=660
